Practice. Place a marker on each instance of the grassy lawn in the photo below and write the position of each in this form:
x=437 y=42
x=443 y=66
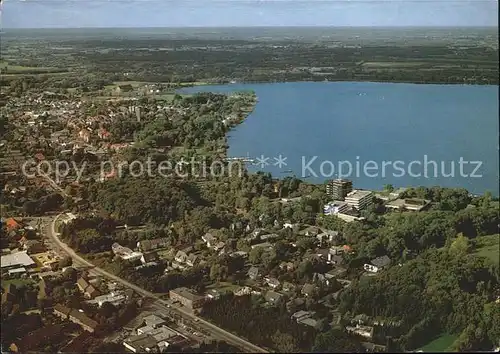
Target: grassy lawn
x=16 y=282
x=488 y=247
x=224 y=286
x=440 y=344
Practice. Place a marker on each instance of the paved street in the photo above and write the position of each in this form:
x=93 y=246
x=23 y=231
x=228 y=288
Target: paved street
x=160 y=304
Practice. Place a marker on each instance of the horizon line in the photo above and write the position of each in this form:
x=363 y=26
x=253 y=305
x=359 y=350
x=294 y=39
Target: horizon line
x=257 y=26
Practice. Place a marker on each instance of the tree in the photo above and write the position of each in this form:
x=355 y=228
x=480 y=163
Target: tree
x=389 y=188
x=284 y=342
x=336 y=341
x=67 y=261
x=460 y=245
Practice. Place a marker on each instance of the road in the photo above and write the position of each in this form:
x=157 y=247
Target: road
x=214 y=331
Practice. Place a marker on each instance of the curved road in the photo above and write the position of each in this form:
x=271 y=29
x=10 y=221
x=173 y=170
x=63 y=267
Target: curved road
x=215 y=331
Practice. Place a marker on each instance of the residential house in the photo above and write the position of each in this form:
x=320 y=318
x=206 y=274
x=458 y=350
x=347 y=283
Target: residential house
x=272 y=282
x=83 y=320
x=273 y=297
x=213 y=294
x=89 y=291
x=192 y=260
x=84 y=134
x=377 y=264
x=264 y=245
x=336 y=272
x=308 y=289
x=245 y=290
x=187 y=298
x=374 y=348
x=149 y=257
x=253 y=273
x=143 y=343
x=33 y=246
x=123 y=89
x=288 y=287
x=336 y=259
x=301 y=315
x=75 y=316
x=113 y=298
x=311 y=322
x=220 y=246
x=289 y=225
x=103 y=134
x=288 y=266
x=209 y=239
x=82 y=284
x=327 y=236
x=149 y=245
x=241 y=254
x=320 y=278
x=312 y=231
x=269 y=237
x=12 y=224
x=363 y=331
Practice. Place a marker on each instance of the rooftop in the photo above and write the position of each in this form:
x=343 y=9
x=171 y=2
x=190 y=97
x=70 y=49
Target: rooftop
x=162 y=333
x=141 y=342
x=16 y=259
x=186 y=293
x=358 y=194
x=153 y=320
x=381 y=261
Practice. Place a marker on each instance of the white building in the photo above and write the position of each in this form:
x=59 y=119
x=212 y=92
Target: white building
x=16 y=260
x=359 y=199
x=125 y=253
x=377 y=264
x=335 y=207
x=113 y=298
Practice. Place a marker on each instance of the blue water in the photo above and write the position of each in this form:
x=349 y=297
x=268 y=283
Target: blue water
x=382 y=122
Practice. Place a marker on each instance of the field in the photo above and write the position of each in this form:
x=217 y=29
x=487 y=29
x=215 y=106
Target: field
x=440 y=344
x=488 y=247
x=6 y=68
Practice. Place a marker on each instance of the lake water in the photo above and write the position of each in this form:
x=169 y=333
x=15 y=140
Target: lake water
x=373 y=133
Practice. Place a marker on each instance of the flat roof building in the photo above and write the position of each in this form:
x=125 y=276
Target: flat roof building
x=412 y=204
x=187 y=298
x=335 y=207
x=16 y=260
x=338 y=188
x=359 y=199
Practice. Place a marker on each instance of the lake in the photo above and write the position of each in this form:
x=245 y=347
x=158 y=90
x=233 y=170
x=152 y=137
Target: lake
x=372 y=133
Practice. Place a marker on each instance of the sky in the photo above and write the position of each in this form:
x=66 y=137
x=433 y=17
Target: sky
x=224 y=13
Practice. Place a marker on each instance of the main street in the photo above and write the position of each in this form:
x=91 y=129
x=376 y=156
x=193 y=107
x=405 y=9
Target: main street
x=215 y=332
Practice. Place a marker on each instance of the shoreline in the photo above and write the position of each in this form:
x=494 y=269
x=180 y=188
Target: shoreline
x=282 y=176
x=251 y=82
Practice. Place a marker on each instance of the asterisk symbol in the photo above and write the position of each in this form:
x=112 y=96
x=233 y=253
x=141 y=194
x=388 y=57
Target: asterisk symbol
x=262 y=161
x=280 y=161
